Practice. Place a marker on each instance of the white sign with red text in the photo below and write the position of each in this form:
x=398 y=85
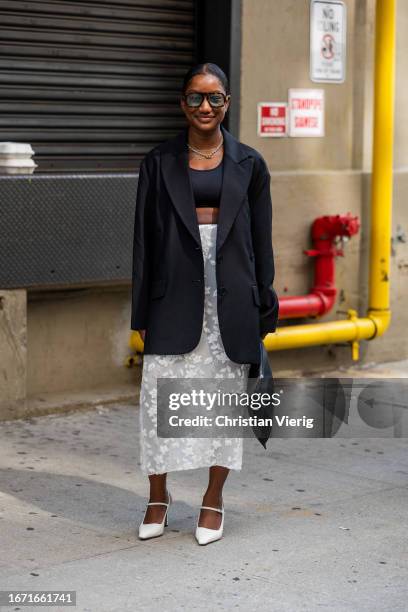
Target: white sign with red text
x=306 y=112
x=272 y=119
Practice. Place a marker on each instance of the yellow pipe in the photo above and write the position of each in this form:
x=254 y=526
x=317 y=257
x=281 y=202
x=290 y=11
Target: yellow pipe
x=378 y=316
x=136 y=342
x=323 y=333
x=381 y=207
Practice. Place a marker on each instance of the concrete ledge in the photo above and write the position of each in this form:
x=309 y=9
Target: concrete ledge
x=69 y=401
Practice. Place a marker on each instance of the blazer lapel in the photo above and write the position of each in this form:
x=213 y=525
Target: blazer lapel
x=237 y=175
x=236 y=178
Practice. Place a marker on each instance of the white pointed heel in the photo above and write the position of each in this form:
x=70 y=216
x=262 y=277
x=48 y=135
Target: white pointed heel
x=203 y=534
x=153 y=530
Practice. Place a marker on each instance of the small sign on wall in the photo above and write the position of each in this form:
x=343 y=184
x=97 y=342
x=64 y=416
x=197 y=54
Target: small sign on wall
x=272 y=119
x=328 y=22
x=306 y=112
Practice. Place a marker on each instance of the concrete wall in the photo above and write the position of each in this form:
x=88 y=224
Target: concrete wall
x=78 y=339
x=318 y=176
x=64 y=350
x=13 y=346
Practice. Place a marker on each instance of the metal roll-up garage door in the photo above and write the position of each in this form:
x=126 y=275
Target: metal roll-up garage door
x=93 y=84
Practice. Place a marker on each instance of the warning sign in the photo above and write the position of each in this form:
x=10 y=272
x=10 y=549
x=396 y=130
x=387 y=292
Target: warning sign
x=272 y=119
x=328 y=22
x=306 y=112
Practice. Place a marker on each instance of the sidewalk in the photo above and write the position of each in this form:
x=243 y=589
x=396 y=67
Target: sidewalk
x=309 y=524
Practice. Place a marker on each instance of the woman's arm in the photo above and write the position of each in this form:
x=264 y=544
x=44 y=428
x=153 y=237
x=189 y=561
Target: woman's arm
x=261 y=225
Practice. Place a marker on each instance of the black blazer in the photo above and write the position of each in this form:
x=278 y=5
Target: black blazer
x=168 y=269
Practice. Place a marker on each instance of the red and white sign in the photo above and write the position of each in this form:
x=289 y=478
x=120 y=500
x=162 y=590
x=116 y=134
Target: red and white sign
x=306 y=112
x=272 y=119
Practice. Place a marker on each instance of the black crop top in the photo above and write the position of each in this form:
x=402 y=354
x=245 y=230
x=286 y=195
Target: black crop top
x=207 y=185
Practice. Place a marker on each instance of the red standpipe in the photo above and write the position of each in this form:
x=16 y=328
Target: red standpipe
x=326 y=232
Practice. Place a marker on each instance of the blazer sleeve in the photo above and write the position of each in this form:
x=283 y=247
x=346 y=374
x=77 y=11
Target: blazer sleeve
x=261 y=227
x=142 y=242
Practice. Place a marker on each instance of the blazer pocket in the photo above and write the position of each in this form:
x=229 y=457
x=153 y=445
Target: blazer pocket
x=255 y=294
x=158 y=288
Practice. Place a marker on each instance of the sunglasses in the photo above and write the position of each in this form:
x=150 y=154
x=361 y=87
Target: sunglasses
x=215 y=99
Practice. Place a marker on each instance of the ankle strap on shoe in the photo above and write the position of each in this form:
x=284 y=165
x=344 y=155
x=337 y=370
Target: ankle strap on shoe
x=216 y=509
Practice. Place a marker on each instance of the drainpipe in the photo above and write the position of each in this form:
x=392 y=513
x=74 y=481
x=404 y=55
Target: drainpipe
x=378 y=316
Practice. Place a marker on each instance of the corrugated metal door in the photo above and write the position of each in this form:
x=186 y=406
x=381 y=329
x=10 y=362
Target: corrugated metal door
x=93 y=84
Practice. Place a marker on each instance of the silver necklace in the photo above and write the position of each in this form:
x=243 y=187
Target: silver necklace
x=206 y=155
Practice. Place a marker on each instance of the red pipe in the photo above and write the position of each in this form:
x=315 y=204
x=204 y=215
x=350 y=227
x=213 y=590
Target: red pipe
x=326 y=232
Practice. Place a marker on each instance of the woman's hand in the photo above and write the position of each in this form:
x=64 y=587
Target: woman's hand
x=142 y=333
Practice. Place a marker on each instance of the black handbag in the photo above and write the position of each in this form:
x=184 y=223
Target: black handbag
x=260 y=380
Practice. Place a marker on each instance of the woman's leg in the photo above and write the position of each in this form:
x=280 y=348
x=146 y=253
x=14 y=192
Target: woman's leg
x=158 y=493
x=213 y=497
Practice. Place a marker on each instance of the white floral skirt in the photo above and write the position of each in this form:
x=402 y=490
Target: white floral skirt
x=207 y=360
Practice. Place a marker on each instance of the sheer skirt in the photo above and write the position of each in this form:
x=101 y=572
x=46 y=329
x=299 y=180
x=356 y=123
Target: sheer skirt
x=207 y=360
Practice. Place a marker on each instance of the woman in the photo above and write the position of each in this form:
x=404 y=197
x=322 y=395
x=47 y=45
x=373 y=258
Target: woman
x=202 y=290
